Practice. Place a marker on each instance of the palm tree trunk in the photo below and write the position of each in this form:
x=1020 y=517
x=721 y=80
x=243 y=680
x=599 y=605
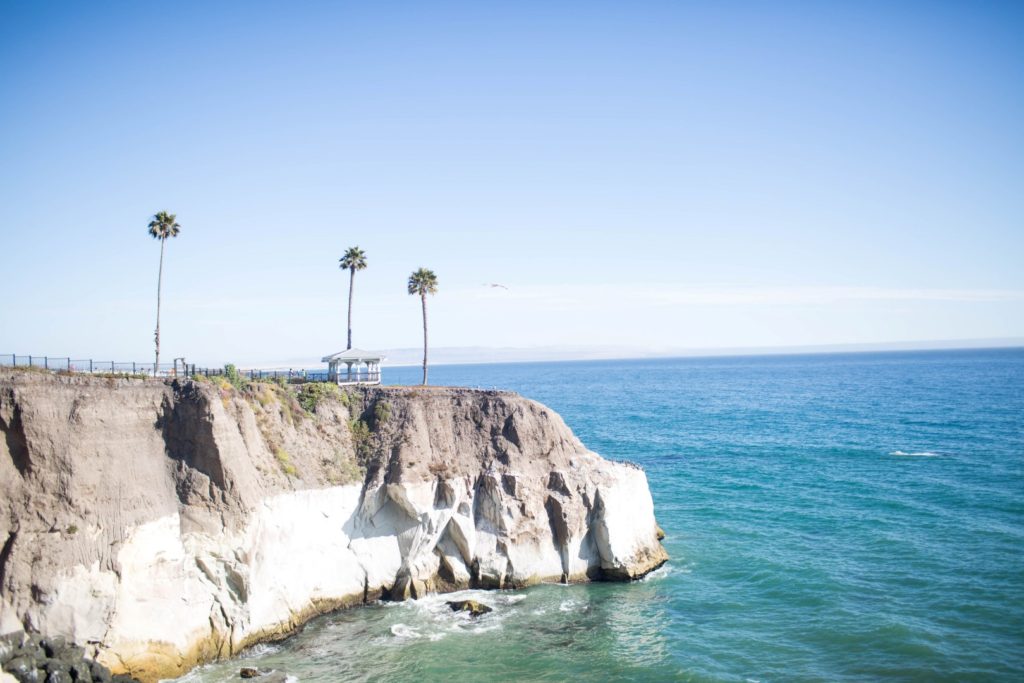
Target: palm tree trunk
x=159 y=285
x=423 y=296
x=351 y=285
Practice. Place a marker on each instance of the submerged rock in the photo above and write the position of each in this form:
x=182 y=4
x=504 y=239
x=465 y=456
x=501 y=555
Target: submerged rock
x=263 y=675
x=152 y=521
x=474 y=608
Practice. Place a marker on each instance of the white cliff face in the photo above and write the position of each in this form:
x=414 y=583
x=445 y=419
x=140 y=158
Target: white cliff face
x=227 y=548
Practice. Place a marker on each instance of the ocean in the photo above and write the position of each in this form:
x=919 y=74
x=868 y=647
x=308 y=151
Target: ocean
x=847 y=517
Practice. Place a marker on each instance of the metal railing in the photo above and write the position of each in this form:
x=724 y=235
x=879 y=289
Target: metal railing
x=89 y=366
x=355 y=377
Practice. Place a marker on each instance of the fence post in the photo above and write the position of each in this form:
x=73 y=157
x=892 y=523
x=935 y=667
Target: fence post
x=30 y=361
x=111 y=367
x=133 y=367
x=90 y=366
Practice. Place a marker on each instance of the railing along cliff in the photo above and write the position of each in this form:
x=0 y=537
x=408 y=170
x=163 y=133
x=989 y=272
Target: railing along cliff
x=178 y=368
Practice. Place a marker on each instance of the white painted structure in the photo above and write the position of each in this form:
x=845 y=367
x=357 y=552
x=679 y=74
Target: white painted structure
x=354 y=366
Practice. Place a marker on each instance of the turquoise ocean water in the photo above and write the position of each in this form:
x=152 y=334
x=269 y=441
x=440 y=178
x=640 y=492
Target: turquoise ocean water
x=830 y=518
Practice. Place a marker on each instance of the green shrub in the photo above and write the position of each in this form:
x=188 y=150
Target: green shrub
x=381 y=413
x=232 y=376
x=361 y=436
x=314 y=393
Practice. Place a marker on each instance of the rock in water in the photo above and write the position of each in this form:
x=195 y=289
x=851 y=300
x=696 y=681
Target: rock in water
x=155 y=519
x=474 y=608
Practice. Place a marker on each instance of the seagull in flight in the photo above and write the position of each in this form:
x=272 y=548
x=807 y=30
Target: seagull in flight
x=494 y=284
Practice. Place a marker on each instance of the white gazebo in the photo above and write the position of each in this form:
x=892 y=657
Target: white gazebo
x=353 y=366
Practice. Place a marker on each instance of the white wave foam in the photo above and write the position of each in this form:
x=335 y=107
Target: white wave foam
x=261 y=649
x=919 y=454
x=567 y=606
x=404 y=631
x=660 y=573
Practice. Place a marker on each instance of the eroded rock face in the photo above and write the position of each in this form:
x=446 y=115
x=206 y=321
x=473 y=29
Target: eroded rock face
x=161 y=525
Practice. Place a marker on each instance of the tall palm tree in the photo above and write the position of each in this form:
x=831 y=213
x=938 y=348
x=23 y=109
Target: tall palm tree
x=162 y=226
x=423 y=282
x=353 y=260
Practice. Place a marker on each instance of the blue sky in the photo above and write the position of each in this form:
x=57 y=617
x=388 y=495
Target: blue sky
x=642 y=175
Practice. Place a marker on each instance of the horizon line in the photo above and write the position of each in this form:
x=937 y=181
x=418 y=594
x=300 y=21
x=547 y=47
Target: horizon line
x=1001 y=343
x=584 y=353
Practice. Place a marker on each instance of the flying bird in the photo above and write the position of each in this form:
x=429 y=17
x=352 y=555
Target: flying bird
x=494 y=284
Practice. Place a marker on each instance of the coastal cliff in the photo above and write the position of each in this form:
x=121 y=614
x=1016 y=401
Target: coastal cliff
x=163 y=524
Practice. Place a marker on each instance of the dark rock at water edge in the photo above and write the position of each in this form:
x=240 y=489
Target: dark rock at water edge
x=31 y=658
x=263 y=675
x=474 y=608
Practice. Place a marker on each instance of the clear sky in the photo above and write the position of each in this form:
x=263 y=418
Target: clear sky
x=642 y=174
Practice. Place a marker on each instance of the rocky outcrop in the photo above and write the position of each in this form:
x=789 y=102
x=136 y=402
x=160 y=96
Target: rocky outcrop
x=160 y=525
x=26 y=658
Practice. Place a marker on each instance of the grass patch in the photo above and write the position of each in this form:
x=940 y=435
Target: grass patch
x=285 y=462
x=343 y=471
x=261 y=393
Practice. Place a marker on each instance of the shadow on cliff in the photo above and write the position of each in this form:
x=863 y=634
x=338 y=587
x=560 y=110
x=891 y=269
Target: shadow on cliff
x=186 y=423
x=14 y=437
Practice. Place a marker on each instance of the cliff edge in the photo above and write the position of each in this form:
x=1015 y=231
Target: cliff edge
x=163 y=524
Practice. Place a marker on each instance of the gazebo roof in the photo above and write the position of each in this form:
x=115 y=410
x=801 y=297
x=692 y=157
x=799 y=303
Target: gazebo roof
x=353 y=356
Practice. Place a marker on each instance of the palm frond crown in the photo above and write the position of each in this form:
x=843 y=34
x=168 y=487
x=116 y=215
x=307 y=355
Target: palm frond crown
x=423 y=281
x=164 y=225
x=354 y=259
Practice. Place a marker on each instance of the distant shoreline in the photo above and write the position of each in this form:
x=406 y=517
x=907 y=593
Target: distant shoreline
x=760 y=353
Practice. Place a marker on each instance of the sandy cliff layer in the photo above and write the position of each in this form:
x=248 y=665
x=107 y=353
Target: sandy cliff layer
x=163 y=525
